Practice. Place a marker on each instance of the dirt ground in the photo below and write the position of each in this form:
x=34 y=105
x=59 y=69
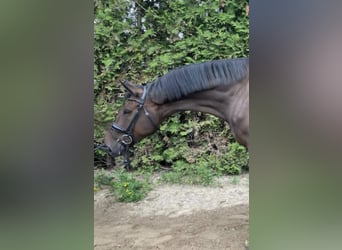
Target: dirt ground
x=176 y=217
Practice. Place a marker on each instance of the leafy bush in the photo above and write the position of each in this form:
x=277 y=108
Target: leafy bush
x=142 y=40
x=234 y=160
x=193 y=143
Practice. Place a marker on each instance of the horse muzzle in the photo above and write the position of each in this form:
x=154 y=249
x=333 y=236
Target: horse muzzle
x=116 y=150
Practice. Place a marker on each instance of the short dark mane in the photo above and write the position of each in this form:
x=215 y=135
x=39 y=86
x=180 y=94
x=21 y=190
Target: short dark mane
x=192 y=78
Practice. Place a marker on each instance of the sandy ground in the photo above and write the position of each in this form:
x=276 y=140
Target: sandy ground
x=176 y=217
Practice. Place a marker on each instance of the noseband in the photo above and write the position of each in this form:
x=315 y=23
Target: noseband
x=127 y=139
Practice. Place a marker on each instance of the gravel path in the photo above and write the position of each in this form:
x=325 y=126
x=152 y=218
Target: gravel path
x=176 y=217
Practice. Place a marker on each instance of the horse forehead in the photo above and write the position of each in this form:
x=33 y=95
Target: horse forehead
x=127 y=105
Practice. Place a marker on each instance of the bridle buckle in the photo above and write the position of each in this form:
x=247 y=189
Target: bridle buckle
x=126 y=139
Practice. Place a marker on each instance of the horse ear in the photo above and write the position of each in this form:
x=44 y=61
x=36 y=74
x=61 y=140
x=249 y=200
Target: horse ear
x=128 y=86
x=131 y=87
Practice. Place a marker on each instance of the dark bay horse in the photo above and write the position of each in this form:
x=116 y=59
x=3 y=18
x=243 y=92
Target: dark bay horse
x=219 y=87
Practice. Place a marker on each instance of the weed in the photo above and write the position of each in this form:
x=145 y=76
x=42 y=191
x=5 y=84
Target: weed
x=235 y=180
x=102 y=178
x=184 y=173
x=128 y=188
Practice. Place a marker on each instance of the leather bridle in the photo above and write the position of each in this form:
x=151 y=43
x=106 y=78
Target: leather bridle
x=127 y=139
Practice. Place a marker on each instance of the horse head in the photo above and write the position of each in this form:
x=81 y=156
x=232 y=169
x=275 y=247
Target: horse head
x=136 y=119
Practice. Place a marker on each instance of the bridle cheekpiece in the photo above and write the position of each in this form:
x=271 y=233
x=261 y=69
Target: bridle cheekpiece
x=127 y=139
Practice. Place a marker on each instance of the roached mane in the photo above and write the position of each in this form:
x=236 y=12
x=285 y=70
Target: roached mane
x=192 y=78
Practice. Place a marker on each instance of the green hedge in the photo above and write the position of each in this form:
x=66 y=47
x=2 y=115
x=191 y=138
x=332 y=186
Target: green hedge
x=142 y=40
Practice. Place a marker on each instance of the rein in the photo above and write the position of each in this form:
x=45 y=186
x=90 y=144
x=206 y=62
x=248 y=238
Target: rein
x=102 y=147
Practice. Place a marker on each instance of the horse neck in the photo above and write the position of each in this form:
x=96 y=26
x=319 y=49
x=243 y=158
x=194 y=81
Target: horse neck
x=214 y=101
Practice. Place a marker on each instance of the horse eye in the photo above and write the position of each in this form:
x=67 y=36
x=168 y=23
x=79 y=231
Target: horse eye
x=127 y=111
x=127 y=95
